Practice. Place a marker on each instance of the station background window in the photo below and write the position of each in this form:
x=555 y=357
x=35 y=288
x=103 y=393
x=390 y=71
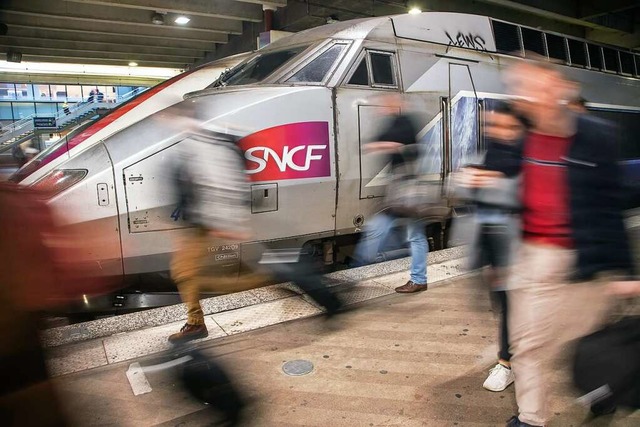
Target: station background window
x=382 y=69
x=6 y=112
x=42 y=92
x=46 y=108
x=577 y=50
x=7 y=91
x=74 y=93
x=22 y=110
x=507 y=38
x=24 y=91
x=361 y=76
x=595 y=57
x=556 y=47
x=533 y=42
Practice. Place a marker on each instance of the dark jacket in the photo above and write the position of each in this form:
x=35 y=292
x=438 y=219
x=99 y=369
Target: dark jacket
x=597 y=200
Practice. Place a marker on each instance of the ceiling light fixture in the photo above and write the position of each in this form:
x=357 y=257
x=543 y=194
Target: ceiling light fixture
x=157 y=19
x=181 y=20
x=133 y=64
x=415 y=11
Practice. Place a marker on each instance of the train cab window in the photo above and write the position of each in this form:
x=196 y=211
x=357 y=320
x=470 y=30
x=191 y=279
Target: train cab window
x=595 y=56
x=611 y=59
x=533 y=41
x=360 y=76
x=577 y=50
x=382 y=68
x=556 y=47
x=318 y=68
x=626 y=62
x=258 y=67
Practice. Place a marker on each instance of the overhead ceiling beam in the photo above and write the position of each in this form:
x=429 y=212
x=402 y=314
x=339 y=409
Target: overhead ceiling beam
x=631 y=41
x=112 y=38
x=112 y=15
x=543 y=13
x=101 y=45
x=100 y=61
x=274 y=3
x=134 y=32
x=594 y=8
x=87 y=56
x=107 y=52
x=227 y=9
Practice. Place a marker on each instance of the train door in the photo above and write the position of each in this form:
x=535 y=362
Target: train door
x=360 y=116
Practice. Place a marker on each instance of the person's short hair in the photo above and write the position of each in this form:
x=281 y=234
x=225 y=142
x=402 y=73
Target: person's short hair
x=505 y=107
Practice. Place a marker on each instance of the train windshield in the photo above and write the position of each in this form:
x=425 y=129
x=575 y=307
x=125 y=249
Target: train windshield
x=257 y=68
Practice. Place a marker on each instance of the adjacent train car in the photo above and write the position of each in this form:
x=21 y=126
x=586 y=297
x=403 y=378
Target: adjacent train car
x=303 y=107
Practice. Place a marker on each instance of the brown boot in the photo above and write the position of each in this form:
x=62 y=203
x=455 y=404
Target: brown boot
x=188 y=333
x=410 y=287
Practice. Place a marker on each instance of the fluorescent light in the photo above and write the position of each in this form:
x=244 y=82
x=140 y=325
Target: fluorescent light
x=86 y=69
x=133 y=64
x=181 y=20
x=415 y=11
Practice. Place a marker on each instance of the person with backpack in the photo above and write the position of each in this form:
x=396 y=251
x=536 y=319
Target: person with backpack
x=574 y=238
x=214 y=198
x=398 y=141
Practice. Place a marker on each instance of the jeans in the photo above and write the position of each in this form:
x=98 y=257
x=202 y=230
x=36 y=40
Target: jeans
x=375 y=236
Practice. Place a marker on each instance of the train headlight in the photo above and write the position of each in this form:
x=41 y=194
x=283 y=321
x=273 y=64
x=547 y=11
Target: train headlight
x=59 y=180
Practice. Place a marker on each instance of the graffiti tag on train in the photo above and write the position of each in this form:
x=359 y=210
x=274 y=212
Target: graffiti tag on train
x=469 y=41
x=291 y=151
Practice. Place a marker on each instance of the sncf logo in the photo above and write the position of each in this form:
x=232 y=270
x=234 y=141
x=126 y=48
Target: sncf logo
x=291 y=151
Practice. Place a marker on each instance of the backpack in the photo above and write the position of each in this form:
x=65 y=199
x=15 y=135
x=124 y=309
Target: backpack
x=410 y=194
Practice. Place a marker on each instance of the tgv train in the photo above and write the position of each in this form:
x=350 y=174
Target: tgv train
x=303 y=108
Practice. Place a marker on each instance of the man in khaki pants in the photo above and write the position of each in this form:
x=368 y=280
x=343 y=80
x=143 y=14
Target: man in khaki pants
x=214 y=198
x=214 y=194
x=574 y=240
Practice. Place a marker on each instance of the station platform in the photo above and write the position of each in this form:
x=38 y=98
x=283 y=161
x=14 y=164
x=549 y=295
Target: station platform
x=392 y=360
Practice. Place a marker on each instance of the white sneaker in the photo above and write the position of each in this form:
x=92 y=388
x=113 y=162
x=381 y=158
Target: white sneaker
x=500 y=377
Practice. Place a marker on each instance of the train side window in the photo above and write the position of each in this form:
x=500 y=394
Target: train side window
x=556 y=47
x=533 y=41
x=318 y=68
x=577 y=50
x=595 y=56
x=507 y=38
x=611 y=59
x=360 y=76
x=382 y=69
x=626 y=62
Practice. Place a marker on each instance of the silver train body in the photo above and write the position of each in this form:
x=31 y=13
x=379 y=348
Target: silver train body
x=303 y=127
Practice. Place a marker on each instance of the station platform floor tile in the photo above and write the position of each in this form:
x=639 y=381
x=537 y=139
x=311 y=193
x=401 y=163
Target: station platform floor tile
x=395 y=360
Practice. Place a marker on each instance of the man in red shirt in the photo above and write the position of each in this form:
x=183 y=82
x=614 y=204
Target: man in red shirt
x=574 y=240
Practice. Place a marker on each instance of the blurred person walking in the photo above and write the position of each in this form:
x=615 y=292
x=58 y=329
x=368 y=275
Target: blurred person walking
x=398 y=141
x=574 y=239
x=497 y=219
x=214 y=198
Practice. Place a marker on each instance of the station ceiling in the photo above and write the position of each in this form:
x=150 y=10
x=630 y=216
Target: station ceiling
x=117 y=32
